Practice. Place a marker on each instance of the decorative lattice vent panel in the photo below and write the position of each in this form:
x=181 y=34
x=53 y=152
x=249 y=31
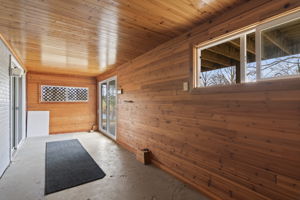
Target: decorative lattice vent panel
x=77 y=94
x=64 y=94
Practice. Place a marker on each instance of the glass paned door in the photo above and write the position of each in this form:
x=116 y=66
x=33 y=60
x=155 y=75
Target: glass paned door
x=108 y=100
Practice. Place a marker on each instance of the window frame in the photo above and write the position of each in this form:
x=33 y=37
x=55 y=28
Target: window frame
x=256 y=28
x=243 y=56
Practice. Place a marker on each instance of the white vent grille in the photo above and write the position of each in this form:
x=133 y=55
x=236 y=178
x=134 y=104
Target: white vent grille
x=64 y=94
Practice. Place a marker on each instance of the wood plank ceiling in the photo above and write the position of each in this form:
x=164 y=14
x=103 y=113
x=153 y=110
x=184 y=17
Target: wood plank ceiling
x=88 y=37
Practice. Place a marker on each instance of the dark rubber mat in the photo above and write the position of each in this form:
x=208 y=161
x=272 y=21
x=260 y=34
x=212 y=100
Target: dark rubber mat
x=68 y=164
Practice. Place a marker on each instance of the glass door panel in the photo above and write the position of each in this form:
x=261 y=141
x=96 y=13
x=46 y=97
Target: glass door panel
x=14 y=122
x=112 y=106
x=16 y=111
x=104 y=106
x=13 y=115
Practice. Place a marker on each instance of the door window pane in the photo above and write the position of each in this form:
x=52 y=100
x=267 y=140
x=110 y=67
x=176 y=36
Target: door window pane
x=280 y=50
x=112 y=106
x=103 y=106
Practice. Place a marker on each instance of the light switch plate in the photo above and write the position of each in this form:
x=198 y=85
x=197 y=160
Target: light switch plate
x=120 y=91
x=185 y=86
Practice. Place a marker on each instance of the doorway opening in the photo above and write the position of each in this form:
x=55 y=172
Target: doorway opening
x=108 y=106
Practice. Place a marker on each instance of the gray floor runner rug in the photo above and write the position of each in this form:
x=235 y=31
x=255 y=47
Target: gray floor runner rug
x=68 y=164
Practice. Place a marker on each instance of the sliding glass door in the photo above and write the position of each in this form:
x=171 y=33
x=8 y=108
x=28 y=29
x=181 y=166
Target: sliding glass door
x=107 y=105
x=16 y=112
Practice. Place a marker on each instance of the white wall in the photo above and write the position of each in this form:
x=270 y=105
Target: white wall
x=4 y=108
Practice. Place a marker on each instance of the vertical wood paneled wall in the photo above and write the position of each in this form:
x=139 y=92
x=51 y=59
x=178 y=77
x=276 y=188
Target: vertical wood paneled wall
x=236 y=142
x=65 y=116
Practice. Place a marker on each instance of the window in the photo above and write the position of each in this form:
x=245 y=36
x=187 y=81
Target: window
x=220 y=64
x=269 y=51
x=63 y=94
x=279 y=50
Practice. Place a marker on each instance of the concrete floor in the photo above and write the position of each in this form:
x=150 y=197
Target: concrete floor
x=126 y=179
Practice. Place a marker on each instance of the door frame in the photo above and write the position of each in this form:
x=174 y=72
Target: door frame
x=106 y=132
x=17 y=113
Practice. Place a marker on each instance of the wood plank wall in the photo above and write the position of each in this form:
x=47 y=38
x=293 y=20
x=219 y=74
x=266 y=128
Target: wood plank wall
x=236 y=142
x=64 y=117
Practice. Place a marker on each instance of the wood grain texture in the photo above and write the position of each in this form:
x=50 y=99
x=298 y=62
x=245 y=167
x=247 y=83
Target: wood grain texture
x=88 y=37
x=12 y=51
x=65 y=117
x=237 y=142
